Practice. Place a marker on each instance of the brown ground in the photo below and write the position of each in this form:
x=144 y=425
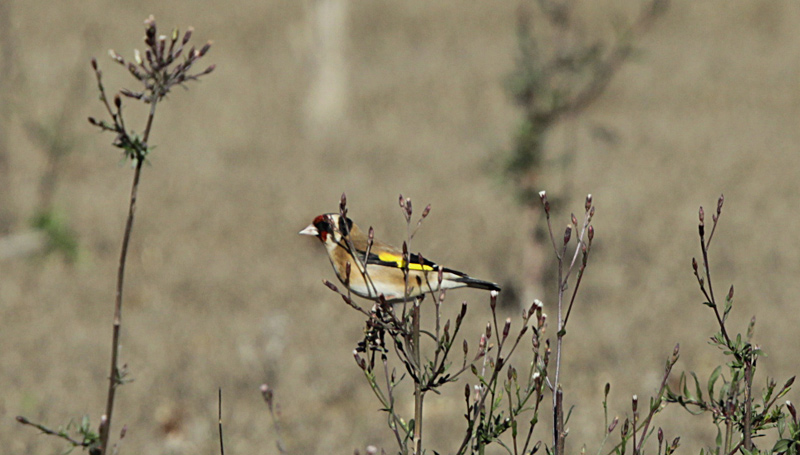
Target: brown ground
x=221 y=292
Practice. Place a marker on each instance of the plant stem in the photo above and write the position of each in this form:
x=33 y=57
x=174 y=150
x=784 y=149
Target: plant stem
x=418 y=393
x=115 y=378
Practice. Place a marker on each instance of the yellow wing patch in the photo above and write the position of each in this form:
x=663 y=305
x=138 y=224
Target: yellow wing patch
x=398 y=260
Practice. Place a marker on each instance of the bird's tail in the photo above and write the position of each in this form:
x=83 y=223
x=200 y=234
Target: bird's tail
x=478 y=284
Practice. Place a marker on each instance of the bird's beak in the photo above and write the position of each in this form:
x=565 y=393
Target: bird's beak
x=309 y=230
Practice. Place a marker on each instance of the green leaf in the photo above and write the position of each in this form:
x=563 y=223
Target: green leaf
x=712 y=380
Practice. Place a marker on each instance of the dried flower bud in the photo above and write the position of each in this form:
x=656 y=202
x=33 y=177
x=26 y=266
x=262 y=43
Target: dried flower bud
x=613 y=424
x=467 y=390
x=506 y=328
x=607 y=389
x=330 y=285
x=567 y=234
x=466 y=347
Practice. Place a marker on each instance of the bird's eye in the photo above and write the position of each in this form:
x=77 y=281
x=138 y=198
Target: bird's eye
x=323 y=224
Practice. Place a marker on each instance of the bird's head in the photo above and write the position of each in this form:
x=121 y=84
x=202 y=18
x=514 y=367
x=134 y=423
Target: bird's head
x=330 y=228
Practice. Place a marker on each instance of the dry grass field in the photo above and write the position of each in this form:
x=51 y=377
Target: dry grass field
x=406 y=97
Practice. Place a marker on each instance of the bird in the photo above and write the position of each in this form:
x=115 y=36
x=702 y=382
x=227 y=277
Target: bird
x=378 y=269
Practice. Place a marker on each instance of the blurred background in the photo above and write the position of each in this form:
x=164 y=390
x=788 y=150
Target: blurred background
x=314 y=98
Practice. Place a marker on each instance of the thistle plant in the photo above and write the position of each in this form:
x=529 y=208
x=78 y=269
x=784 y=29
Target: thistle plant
x=166 y=63
x=740 y=414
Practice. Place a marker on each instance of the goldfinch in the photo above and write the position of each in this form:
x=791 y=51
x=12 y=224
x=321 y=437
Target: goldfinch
x=347 y=244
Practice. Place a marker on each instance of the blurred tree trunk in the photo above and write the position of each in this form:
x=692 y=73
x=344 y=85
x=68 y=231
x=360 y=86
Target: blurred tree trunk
x=326 y=104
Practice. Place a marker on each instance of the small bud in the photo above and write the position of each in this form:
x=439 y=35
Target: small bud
x=343 y=201
x=607 y=389
x=730 y=294
x=402 y=201
x=94 y=63
x=660 y=436
x=588 y=204
x=506 y=328
x=591 y=213
x=493 y=301
x=426 y=211
x=467 y=390
x=117 y=101
x=613 y=424
x=466 y=347
x=591 y=233
x=447 y=327
x=719 y=203
x=371 y=235
x=792 y=410
x=123 y=431
x=694 y=265
x=205 y=49
x=188 y=35
x=573 y=219
x=488 y=330
x=482 y=343
x=635 y=403
x=702 y=216
x=330 y=285
x=567 y=234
